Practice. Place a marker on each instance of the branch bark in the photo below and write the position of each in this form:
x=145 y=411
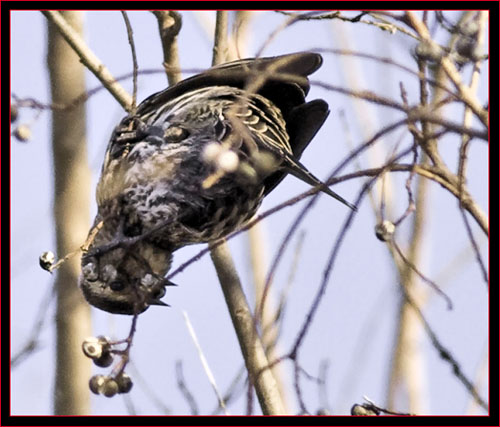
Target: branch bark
x=169 y=25
x=220 y=38
x=251 y=346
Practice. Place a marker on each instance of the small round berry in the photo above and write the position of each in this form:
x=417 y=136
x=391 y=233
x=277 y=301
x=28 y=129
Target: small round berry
x=104 y=341
x=124 y=383
x=22 y=133
x=47 y=260
x=96 y=382
x=110 y=387
x=92 y=348
x=105 y=360
x=385 y=230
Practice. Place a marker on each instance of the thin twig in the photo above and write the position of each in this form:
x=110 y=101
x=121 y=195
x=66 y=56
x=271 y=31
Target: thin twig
x=451 y=71
x=328 y=269
x=462 y=163
x=148 y=391
x=130 y=35
x=287 y=23
x=301 y=216
x=204 y=362
x=90 y=60
x=387 y=61
x=414 y=113
x=384 y=25
x=181 y=383
x=373 y=409
x=231 y=392
x=425 y=171
x=444 y=353
x=432 y=284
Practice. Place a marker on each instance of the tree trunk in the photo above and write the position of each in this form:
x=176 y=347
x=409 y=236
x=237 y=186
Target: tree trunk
x=71 y=211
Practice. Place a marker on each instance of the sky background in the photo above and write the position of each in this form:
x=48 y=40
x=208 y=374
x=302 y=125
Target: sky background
x=355 y=325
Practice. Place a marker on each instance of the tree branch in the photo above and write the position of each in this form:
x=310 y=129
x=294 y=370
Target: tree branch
x=250 y=343
x=451 y=71
x=169 y=24
x=89 y=59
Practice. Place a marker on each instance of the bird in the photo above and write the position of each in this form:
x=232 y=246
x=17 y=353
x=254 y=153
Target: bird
x=191 y=165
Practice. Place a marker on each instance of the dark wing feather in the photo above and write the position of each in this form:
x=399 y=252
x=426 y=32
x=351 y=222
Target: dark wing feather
x=304 y=122
x=289 y=78
x=284 y=81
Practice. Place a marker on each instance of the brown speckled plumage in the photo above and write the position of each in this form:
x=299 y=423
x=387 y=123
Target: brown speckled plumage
x=158 y=192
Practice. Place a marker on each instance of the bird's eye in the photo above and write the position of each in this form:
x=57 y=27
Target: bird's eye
x=175 y=134
x=117 y=286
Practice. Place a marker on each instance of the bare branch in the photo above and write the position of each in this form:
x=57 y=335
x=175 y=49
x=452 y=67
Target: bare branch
x=90 y=60
x=220 y=38
x=204 y=362
x=449 y=68
x=445 y=354
x=181 y=383
x=169 y=24
x=130 y=36
x=251 y=346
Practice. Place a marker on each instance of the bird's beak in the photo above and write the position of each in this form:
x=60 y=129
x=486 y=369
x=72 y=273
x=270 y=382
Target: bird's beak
x=169 y=283
x=158 y=302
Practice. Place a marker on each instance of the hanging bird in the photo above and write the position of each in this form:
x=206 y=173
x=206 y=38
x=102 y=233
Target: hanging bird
x=192 y=165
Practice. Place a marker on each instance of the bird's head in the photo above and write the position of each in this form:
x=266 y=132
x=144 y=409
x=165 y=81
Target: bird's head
x=123 y=280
